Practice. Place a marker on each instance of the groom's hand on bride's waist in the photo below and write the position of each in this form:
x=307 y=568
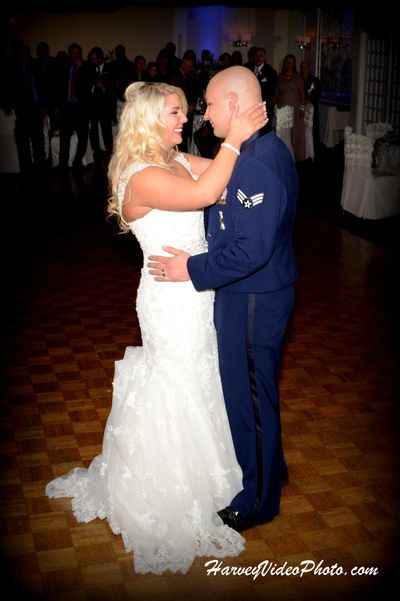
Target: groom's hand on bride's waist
x=169 y=269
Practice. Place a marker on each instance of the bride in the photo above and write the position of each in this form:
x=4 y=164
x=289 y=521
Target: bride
x=167 y=463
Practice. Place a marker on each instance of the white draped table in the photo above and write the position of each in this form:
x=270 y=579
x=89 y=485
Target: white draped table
x=332 y=124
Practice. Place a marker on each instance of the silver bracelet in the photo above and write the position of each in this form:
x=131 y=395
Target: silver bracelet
x=236 y=150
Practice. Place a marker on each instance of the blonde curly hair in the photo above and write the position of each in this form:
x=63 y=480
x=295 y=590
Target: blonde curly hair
x=141 y=131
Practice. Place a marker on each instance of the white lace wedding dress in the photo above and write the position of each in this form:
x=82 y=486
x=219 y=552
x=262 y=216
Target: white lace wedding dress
x=168 y=463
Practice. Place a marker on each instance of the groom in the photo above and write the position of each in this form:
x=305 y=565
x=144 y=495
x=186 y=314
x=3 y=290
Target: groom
x=251 y=265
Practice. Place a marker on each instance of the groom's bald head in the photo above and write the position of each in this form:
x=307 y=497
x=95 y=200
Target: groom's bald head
x=240 y=81
x=227 y=88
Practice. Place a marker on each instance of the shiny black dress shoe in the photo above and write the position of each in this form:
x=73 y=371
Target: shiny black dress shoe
x=239 y=522
x=235 y=520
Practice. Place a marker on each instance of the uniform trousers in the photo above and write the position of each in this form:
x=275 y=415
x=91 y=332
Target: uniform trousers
x=250 y=331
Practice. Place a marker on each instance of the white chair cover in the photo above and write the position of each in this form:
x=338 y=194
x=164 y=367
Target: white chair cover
x=363 y=193
x=358 y=149
x=377 y=130
x=9 y=162
x=284 y=125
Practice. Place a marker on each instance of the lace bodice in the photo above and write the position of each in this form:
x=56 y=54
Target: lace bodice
x=184 y=230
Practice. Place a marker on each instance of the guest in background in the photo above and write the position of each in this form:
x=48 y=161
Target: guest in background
x=251 y=58
x=46 y=68
x=139 y=67
x=24 y=95
x=290 y=92
x=267 y=77
x=151 y=72
x=164 y=66
x=206 y=57
x=312 y=91
x=61 y=59
x=236 y=58
x=186 y=79
x=191 y=76
x=60 y=66
x=174 y=61
x=123 y=72
x=206 y=69
x=103 y=104
x=73 y=98
x=224 y=60
x=189 y=53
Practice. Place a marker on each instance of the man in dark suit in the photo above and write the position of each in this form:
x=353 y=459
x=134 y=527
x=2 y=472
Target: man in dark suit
x=312 y=89
x=250 y=263
x=122 y=71
x=46 y=66
x=72 y=103
x=186 y=79
x=267 y=77
x=102 y=105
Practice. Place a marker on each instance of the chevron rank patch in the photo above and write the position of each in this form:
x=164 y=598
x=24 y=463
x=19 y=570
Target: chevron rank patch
x=248 y=202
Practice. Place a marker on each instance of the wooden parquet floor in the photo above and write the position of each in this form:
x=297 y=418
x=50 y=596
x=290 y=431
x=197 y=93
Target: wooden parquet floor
x=70 y=314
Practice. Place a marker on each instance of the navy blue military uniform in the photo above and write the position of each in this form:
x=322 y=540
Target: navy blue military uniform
x=250 y=263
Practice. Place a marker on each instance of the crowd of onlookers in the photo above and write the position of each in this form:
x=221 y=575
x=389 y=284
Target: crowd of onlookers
x=84 y=94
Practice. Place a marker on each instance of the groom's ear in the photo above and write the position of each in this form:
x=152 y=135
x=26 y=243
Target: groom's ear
x=233 y=98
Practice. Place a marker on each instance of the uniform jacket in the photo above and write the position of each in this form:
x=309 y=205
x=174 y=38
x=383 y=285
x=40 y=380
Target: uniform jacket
x=249 y=235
